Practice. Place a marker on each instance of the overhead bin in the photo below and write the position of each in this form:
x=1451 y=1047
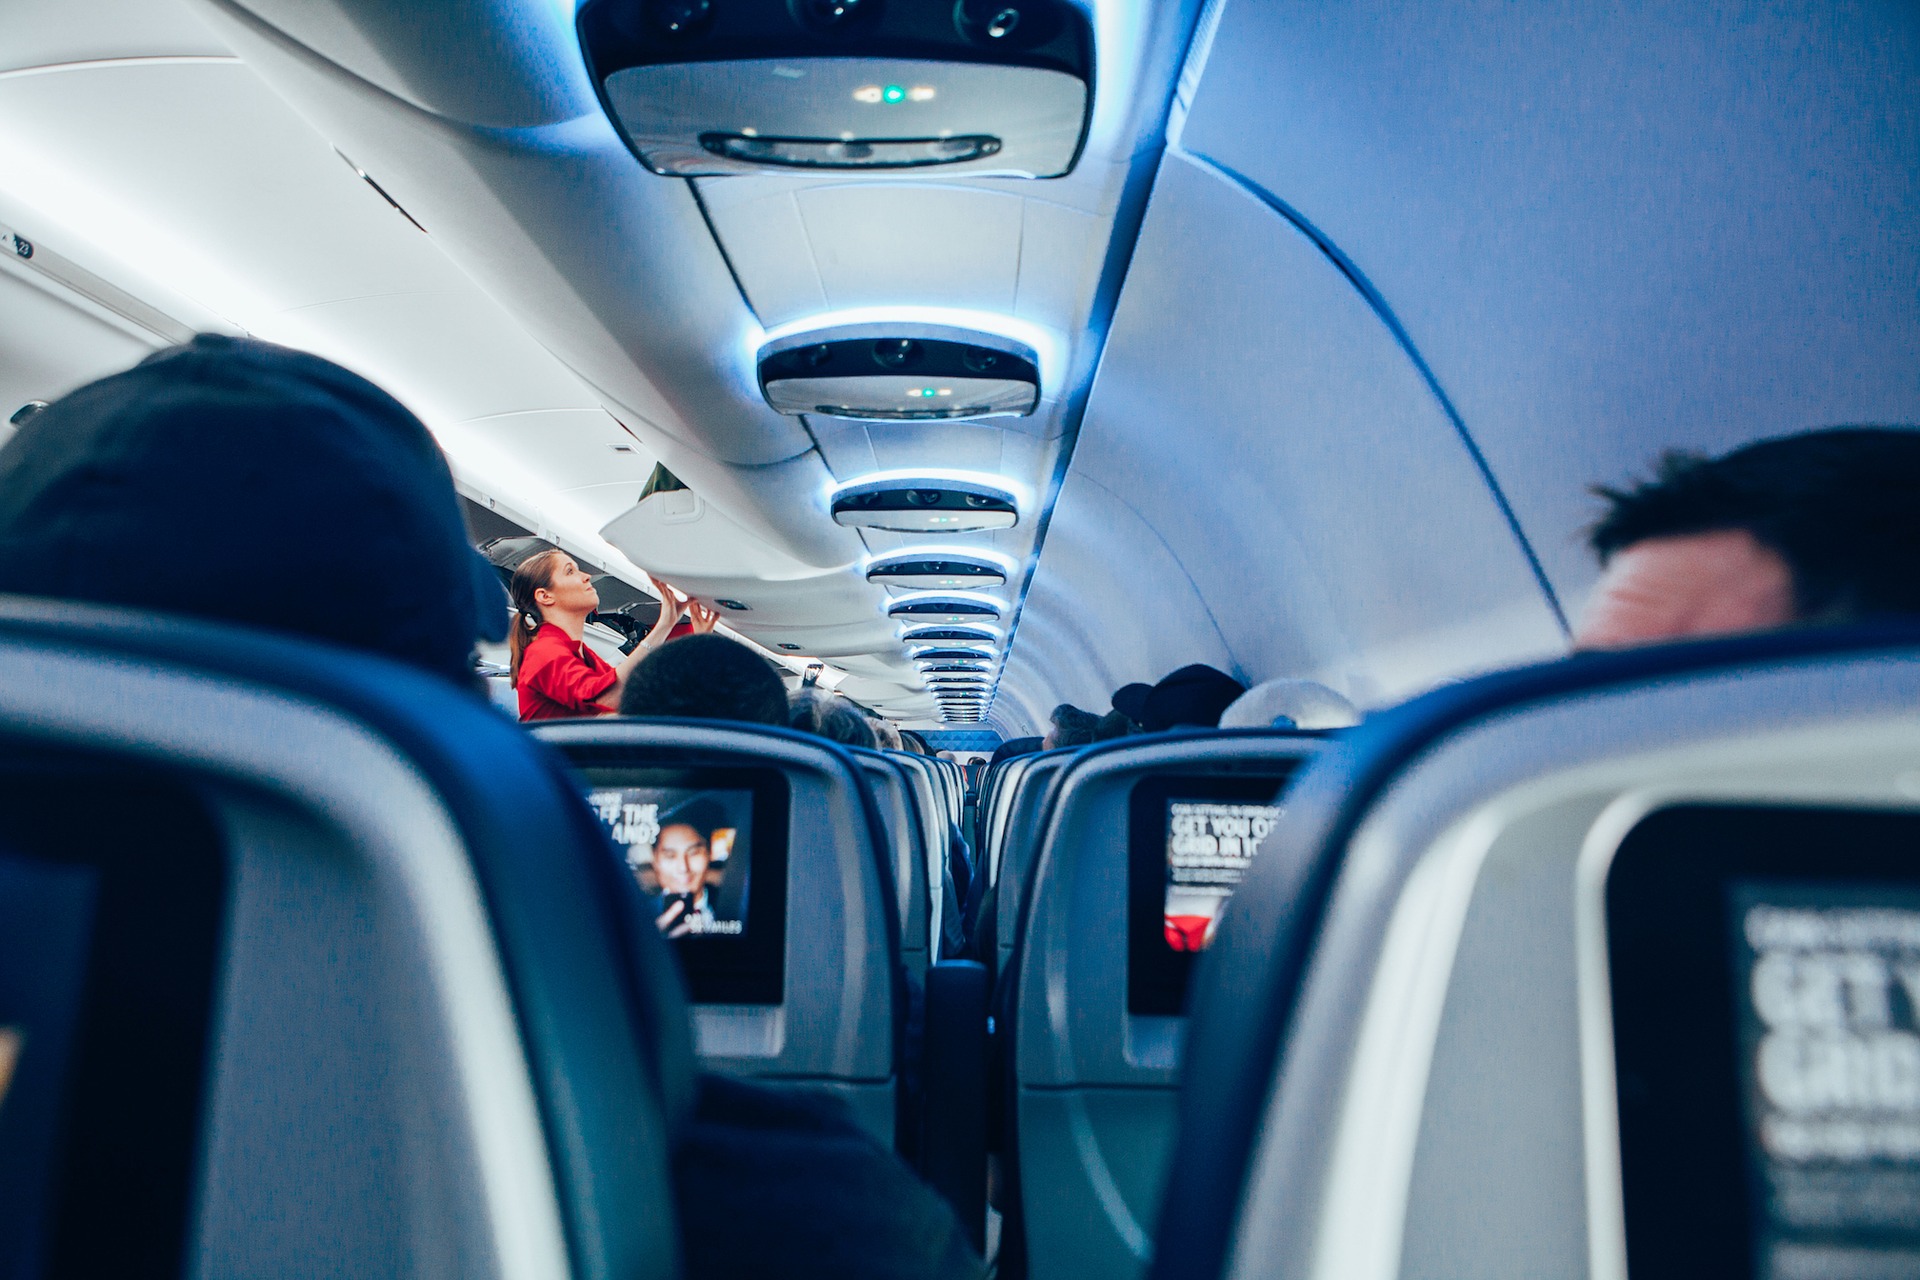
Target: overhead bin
x=699 y=88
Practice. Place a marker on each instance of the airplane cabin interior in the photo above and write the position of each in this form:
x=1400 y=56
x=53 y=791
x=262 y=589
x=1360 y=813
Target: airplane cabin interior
x=991 y=369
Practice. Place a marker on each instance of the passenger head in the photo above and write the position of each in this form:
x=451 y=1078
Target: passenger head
x=1192 y=697
x=1069 y=726
x=917 y=744
x=1012 y=747
x=1289 y=704
x=830 y=716
x=885 y=735
x=706 y=677
x=1114 y=724
x=1130 y=700
x=1817 y=528
x=243 y=482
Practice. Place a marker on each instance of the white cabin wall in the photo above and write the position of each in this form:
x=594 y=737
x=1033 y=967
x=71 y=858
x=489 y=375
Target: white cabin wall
x=1609 y=229
x=1606 y=230
x=1264 y=482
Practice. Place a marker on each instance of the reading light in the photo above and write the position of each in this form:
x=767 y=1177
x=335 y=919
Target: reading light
x=923 y=506
x=936 y=569
x=702 y=72
x=944 y=608
x=974 y=633
x=1048 y=345
x=903 y=373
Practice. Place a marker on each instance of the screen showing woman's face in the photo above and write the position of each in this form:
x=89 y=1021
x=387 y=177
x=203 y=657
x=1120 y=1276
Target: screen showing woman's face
x=680 y=858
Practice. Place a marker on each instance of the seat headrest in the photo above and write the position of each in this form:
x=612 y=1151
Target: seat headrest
x=592 y=990
x=1245 y=990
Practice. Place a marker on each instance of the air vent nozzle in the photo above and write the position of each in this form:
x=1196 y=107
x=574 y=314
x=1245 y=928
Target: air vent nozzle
x=922 y=635
x=929 y=506
x=906 y=373
x=945 y=609
x=941 y=573
x=707 y=87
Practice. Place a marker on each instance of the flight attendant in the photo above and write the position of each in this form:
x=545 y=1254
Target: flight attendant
x=557 y=675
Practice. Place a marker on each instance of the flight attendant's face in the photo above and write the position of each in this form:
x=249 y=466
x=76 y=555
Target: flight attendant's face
x=680 y=858
x=571 y=590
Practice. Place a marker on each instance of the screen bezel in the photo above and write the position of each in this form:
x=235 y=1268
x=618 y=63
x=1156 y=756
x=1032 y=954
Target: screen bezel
x=749 y=968
x=125 y=1142
x=1687 y=1179
x=1158 y=976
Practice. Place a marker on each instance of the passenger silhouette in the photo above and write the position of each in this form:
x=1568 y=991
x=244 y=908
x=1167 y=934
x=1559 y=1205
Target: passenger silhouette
x=243 y=482
x=1069 y=726
x=1192 y=697
x=831 y=717
x=706 y=677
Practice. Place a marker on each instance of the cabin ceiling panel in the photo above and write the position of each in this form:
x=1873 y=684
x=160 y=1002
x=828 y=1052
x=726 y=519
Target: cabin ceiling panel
x=1256 y=436
x=45 y=33
x=608 y=267
x=512 y=64
x=1609 y=229
x=1062 y=250
x=563 y=448
x=458 y=348
x=683 y=534
x=765 y=240
x=216 y=167
x=878 y=245
x=600 y=503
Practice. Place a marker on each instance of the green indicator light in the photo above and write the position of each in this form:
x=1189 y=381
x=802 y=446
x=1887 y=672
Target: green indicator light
x=893 y=93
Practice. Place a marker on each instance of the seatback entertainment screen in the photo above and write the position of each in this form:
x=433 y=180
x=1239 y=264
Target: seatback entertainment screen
x=1828 y=982
x=708 y=849
x=1766 y=993
x=690 y=851
x=109 y=950
x=1209 y=845
x=1190 y=843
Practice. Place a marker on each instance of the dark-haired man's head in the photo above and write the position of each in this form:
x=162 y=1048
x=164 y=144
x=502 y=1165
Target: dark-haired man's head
x=243 y=482
x=1069 y=726
x=831 y=717
x=1816 y=528
x=1114 y=724
x=705 y=677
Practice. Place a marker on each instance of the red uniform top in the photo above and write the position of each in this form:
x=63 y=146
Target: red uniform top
x=559 y=678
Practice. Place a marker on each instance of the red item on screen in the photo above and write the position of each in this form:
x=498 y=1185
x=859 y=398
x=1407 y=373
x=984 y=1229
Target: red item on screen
x=1188 y=933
